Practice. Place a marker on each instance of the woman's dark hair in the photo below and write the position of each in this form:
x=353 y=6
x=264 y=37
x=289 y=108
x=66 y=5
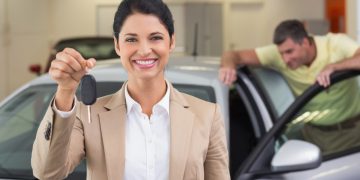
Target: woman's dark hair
x=154 y=7
x=293 y=29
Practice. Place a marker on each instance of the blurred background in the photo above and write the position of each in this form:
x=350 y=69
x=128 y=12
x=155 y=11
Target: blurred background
x=30 y=28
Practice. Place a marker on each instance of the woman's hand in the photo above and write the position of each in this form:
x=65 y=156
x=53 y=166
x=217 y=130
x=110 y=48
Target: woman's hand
x=67 y=70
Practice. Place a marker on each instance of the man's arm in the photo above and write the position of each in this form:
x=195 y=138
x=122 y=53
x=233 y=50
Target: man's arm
x=353 y=62
x=229 y=61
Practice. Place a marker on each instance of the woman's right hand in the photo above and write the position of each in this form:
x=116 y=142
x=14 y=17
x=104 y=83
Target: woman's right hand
x=67 y=70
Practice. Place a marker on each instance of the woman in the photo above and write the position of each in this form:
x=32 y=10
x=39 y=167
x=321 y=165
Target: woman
x=147 y=130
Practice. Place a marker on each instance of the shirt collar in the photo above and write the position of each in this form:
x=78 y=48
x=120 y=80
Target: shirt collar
x=163 y=103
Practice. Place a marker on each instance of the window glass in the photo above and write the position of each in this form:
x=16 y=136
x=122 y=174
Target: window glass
x=330 y=120
x=19 y=120
x=203 y=92
x=276 y=89
x=91 y=48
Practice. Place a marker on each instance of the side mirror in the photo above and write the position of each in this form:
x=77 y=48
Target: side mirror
x=296 y=155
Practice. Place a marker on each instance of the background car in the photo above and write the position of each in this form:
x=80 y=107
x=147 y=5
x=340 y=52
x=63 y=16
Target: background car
x=256 y=110
x=98 y=47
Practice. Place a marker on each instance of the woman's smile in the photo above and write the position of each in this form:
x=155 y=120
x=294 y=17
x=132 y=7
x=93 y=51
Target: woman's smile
x=145 y=63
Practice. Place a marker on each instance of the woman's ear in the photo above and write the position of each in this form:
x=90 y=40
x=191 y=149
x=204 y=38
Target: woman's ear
x=172 y=43
x=116 y=45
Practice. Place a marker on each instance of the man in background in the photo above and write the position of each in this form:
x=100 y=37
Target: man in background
x=303 y=60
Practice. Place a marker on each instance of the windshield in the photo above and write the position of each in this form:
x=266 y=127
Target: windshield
x=21 y=116
x=19 y=120
x=91 y=48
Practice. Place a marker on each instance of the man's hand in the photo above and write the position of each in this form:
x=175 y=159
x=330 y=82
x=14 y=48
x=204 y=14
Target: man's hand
x=229 y=61
x=227 y=75
x=323 y=78
x=227 y=71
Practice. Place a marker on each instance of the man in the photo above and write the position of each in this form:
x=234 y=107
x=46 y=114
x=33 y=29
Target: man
x=303 y=60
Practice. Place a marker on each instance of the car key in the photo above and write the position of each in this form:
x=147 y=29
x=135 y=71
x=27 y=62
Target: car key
x=88 y=92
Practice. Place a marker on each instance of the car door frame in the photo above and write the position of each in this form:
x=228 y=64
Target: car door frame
x=264 y=150
x=257 y=105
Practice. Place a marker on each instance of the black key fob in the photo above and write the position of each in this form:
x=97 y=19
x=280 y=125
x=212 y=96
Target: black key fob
x=88 y=89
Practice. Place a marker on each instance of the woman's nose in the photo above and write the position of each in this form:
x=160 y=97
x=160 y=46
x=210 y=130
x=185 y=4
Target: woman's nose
x=144 y=49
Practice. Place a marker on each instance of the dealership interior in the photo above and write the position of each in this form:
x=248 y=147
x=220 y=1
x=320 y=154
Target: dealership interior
x=30 y=28
x=290 y=111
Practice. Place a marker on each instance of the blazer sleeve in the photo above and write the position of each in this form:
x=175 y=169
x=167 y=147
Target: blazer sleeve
x=58 y=146
x=217 y=161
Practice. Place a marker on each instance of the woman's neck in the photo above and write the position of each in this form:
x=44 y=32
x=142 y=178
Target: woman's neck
x=147 y=93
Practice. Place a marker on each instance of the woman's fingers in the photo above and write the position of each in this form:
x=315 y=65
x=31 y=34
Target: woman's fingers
x=69 y=67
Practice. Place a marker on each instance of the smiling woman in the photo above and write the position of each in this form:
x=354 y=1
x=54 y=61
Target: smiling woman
x=146 y=130
x=144 y=45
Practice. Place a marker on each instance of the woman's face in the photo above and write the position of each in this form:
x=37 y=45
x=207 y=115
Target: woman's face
x=144 y=46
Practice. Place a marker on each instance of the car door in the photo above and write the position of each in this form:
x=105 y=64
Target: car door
x=286 y=152
x=259 y=96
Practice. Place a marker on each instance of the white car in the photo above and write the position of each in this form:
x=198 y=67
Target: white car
x=256 y=110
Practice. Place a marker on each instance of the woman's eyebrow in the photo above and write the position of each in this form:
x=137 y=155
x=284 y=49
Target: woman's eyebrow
x=156 y=33
x=130 y=34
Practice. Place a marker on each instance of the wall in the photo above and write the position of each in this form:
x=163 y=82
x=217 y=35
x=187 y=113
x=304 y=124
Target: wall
x=36 y=24
x=75 y=18
x=72 y=18
x=357 y=20
x=241 y=31
x=251 y=24
x=3 y=51
x=351 y=18
x=24 y=42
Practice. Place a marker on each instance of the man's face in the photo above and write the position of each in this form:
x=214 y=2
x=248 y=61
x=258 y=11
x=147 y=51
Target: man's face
x=294 y=54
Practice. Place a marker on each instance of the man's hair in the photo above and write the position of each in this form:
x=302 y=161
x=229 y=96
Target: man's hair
x=293 y=29
x=154 y=7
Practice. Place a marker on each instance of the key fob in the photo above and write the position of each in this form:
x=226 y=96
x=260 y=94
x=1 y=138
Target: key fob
x=88 y=89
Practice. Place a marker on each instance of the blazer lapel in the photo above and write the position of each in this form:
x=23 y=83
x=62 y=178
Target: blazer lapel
x=181 y=123
x=112 y=124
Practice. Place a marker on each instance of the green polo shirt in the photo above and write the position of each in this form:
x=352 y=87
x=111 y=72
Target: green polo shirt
x=322 y=110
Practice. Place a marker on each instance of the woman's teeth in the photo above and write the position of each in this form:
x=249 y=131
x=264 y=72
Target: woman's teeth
x=145 y=62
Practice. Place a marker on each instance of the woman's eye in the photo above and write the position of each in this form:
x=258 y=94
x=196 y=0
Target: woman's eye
x=157 y=38
x=130 y=40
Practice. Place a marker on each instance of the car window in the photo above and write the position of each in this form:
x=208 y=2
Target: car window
x=330 y=120
x=203 y=92
x=19 y=120
x=276 y=89
x=91 y=48
x=206 y=93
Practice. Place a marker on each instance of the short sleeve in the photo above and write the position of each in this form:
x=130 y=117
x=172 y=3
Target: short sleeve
x=269 y=56
x=343 y=44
